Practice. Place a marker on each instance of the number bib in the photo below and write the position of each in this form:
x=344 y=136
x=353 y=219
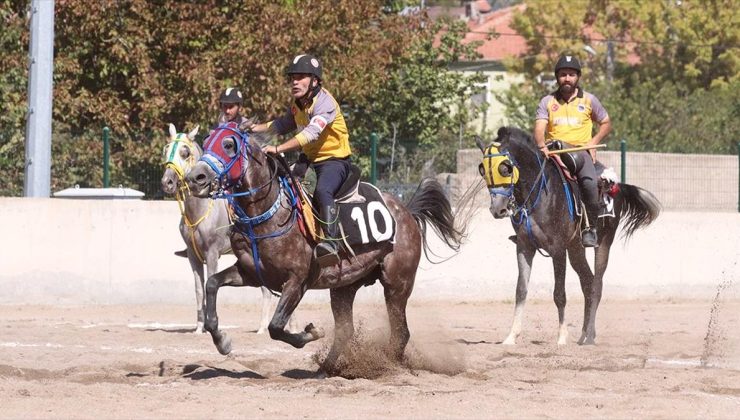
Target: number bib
x=368 y=222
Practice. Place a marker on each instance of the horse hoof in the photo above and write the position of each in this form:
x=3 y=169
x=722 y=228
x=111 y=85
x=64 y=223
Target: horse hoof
x=224 y=346
x=315 y=333
x=320 y=374
x=586 y=341
x=262 y=331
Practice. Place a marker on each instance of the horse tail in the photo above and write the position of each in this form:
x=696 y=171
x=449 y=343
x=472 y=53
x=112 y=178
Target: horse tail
x=429 y=206
x=639 y=208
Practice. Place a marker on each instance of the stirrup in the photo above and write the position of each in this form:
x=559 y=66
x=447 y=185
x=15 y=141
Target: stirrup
x=326 y=254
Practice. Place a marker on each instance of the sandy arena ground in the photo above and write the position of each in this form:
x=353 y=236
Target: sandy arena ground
x=655 y=359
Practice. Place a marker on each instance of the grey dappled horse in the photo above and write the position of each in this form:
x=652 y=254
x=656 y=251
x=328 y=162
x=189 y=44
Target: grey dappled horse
x=204 y=224
x=259 y=184
x=533 y=195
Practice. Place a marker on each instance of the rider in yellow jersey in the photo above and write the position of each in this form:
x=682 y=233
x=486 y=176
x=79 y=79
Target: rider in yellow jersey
x=323 y=138
x=568 y=115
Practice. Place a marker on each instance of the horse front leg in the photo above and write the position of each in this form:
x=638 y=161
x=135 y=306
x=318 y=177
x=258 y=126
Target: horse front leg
x=558 y=265
x=289 y=300
x=266 y=309
x=232 y=276
x=524 y=257
x=197 y=267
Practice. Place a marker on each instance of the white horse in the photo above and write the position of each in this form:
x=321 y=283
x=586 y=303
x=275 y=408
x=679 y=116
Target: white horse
x=205 y=223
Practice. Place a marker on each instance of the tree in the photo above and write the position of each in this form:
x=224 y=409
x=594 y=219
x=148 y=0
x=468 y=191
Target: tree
x=421 y=102
x=136 y=65
x=684 y=57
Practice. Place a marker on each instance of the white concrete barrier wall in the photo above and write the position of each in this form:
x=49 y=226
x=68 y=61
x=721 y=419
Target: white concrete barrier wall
x=680 y=181
x=57 y=251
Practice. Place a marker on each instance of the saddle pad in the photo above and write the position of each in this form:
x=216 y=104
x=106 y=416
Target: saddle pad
x=369 y=221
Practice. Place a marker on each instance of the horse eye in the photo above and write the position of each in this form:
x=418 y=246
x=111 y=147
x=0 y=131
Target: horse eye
x=229 y=146
x=505 y=169
x=185 y=152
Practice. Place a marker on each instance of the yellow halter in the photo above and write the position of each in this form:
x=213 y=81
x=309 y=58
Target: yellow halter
x=175 y=161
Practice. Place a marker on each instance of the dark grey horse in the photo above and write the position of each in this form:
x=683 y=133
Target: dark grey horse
x=204 y=224
x=534 y=197
x=283 y=254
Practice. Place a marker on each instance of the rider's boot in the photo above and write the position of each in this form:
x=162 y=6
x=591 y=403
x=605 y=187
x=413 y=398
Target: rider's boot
x=326 y=252
x=589 y=238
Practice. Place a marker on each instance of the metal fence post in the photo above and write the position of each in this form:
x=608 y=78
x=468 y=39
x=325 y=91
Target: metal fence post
x=106 y=157
x=623 y=158
x=373 y=158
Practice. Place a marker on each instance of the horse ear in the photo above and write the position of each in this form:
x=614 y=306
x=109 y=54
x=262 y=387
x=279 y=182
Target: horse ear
x=193 y=132
x=479 y=142
x=244 y=126
x=173 y=131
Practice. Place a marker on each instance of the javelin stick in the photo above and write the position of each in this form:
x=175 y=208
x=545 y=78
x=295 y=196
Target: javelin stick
x=576 y=149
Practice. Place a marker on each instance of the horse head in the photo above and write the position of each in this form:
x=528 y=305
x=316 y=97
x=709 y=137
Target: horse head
x=228 y=155
x=507 y=159
x=179 y=156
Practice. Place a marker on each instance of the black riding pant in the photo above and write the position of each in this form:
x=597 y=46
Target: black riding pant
x=330 y=175
x=587 y=181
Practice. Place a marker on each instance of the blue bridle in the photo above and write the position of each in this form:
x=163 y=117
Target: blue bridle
x=243 y=223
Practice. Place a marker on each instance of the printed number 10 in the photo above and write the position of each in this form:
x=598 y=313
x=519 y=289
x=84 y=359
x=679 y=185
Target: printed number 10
x=374 y=206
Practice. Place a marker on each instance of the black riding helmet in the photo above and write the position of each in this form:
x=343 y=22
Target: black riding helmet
x=231 y=96
x=568 y=62
x=306 y=64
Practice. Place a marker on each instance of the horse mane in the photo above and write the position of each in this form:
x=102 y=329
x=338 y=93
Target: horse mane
x=517 y=137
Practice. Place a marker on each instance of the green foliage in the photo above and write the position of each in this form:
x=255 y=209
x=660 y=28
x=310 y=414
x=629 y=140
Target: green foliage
x=421 y=100
x=671 y=119
x=136 y=65
x=676 y=73
x=13 y=85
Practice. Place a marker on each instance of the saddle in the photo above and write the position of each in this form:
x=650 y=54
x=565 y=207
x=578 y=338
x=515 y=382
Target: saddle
x=607 y=184
x=364 y=216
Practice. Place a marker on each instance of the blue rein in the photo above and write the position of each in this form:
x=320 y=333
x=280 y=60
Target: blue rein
x=522 y=213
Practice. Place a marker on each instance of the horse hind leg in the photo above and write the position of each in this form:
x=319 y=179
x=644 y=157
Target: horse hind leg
x=577 y=256
x=342 y=300
x=601 y=260
x=396 y=300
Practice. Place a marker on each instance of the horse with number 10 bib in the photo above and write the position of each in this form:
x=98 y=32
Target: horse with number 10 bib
x=273 y=251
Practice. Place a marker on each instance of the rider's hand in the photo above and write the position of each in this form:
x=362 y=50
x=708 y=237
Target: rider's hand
x=268 y=148
x=545 y=151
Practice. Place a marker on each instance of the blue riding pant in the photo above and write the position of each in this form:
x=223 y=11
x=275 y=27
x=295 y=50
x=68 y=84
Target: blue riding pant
x=330 y=175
